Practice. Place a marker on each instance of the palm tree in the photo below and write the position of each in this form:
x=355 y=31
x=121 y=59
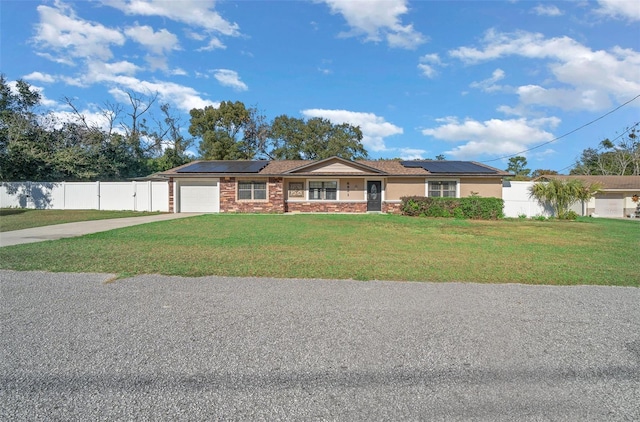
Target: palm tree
x=586 y=191
x=561 y=194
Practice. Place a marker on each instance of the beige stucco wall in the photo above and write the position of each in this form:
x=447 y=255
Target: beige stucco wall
x=354 y=189
x=397 y=188
x=351 y=190
x=488 y=188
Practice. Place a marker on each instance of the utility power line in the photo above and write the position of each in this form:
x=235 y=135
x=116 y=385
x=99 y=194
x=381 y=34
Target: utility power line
x=566 y=134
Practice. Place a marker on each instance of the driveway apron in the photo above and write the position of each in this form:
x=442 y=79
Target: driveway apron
x=59 y=231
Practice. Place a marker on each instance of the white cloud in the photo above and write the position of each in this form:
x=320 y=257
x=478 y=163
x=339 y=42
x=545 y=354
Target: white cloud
x=427 y=65
x=195 y=35
x=493 y=136
x=40 y=77
x=427 y=70
x=431 y=58
x=198 y=13
x=489 y=84
x=374 y=128
x=580 y=73
x=157 y=42
x=98 y=72
x=378 y=20
x=214 y=44
x=522 y=43
x=56 y=59
x=412 y=153
x=547 y=10
x=566 y=99
x=62 y=31
x=230 y=78
x=625 y=9
x=120 y=77
x=185 y=98
x=178 y=72
x=91 y=118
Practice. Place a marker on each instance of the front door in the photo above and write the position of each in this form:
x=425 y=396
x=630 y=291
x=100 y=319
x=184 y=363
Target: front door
x=374 y=196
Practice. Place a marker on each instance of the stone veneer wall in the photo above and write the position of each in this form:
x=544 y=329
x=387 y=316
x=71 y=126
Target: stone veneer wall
x=391 y=208
x=312 y=206
x=274 y=204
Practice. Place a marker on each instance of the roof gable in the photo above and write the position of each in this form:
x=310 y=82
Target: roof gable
x=334 y=165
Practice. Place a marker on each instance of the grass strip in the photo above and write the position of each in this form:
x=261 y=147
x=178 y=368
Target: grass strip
x=362 y=247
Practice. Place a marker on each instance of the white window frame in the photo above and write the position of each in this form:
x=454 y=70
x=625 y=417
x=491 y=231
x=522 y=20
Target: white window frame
x=308 y=189
x=253 y=190
x=428 y=187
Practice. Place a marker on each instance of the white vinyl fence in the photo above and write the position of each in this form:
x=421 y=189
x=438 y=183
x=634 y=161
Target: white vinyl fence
x=517 y=201
x=154 y=196
x=132 y=196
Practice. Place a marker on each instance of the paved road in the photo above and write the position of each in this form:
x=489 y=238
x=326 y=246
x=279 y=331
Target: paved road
x=76 y=347
x=59 y=231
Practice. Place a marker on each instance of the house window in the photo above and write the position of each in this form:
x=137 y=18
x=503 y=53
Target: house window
x=249 y=190
x=296 y=190
x=320 y=191
x=442 y=189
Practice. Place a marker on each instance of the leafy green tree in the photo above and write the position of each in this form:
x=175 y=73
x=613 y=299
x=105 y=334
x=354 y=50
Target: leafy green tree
x=120 y=147
x=517 y=166
x=621 y=158
x=314 y=139
x=288 y=136
x=541 y=172
x=229 y=132
x=24 y=145
x=35 y=146
x=560 y=194
x=168 y=137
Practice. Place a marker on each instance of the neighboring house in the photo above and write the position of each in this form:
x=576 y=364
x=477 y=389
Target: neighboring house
x=329 y=185
x=615 y=199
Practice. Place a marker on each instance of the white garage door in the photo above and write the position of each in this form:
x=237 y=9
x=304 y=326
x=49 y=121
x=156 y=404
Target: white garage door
x=609 y=205
x=199 y=196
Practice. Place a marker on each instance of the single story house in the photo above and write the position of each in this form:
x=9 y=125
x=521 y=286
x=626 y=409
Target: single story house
x=329 y=185
x=618 y=197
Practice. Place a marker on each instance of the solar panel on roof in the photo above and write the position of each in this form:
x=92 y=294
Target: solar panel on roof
x=225 y=167
x=449 y=166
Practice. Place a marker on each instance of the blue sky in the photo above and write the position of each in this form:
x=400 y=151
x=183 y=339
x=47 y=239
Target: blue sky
x=471 y=80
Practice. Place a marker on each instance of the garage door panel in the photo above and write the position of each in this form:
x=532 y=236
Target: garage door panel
x=610 y=205
x=199 y=196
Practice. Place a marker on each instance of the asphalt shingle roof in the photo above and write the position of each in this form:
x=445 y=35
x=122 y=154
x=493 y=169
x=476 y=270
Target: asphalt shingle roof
x=607 y=182
x=386 y=167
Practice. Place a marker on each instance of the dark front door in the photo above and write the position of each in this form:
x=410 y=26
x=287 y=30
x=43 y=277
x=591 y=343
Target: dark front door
x=374 y=196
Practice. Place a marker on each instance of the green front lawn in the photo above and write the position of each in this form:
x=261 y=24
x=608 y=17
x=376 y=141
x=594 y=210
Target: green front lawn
x=22 y=218
x=362 y=247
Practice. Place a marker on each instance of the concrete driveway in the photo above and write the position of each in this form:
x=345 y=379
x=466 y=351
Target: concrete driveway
x=59 y=231
x=154 y=348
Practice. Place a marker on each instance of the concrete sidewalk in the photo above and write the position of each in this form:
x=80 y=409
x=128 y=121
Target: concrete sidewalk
x=59 y=231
